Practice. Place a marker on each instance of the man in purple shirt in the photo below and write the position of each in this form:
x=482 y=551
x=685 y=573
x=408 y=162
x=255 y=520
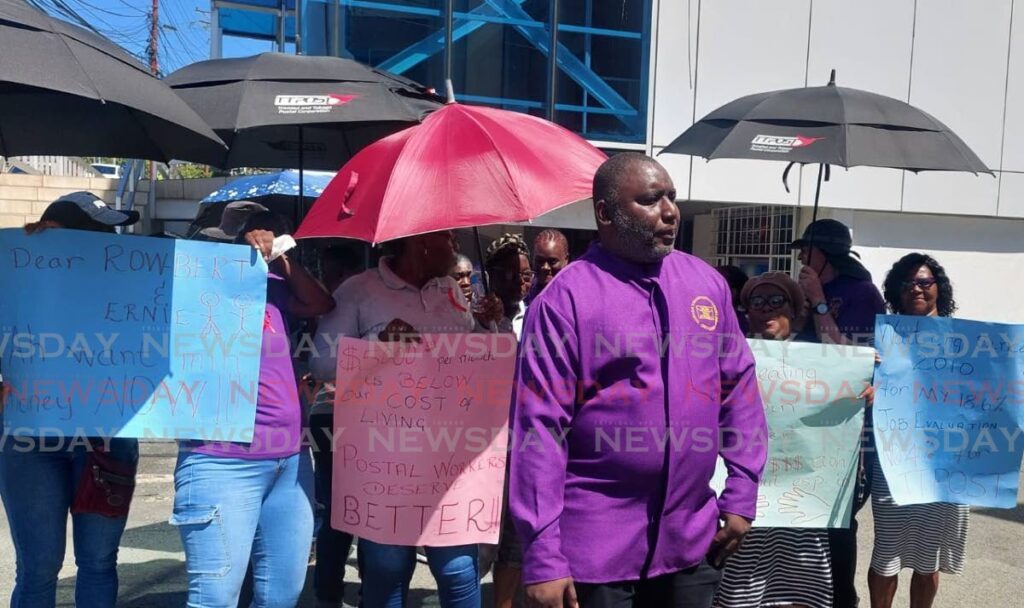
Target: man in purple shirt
x=633 y=378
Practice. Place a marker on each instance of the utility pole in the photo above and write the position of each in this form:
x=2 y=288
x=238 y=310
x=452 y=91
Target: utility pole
x=154 y=68
x=154 y=29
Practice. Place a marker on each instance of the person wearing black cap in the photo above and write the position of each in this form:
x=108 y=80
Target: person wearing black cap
x=843 y=303
x=42 y=480
x=82 y=211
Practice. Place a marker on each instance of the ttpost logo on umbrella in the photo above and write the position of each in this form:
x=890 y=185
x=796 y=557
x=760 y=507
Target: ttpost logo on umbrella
x=777 y=144
x=310 y=104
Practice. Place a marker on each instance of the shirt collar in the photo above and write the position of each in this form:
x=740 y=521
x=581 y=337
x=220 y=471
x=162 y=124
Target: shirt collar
x=622 y=268
x=390 y=279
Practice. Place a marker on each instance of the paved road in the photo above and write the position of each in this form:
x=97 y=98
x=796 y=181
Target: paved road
x=152 y=573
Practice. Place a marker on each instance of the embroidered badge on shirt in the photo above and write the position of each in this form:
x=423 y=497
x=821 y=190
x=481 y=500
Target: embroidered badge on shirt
x=705 y=313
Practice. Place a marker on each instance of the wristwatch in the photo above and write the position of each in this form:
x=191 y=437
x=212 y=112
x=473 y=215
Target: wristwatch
x=821 y=308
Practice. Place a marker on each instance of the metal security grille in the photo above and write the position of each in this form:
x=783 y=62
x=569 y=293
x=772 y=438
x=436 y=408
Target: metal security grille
x=755 y=238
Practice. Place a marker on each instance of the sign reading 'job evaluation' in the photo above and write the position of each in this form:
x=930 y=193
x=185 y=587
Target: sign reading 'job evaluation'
x=949 y=410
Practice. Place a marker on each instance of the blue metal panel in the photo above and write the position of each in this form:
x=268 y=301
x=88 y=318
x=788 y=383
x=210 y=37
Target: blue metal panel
x=607 y=101
x=289 y=4
x=573 y=67
x=464 y=24
x=253 y=24
x=531 y=104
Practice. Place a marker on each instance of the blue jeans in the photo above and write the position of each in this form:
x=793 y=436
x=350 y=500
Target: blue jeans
x=38 y=480
x=386 y=571
x=231 y=510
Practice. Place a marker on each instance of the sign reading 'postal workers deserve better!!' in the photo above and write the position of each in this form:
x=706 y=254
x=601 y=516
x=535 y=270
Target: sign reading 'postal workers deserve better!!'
x=421 y=438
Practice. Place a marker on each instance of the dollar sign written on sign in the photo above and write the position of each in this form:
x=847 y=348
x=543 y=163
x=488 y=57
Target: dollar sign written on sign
x=350 y=360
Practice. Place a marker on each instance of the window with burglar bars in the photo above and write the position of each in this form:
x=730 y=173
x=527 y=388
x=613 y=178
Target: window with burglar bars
x=757 y=236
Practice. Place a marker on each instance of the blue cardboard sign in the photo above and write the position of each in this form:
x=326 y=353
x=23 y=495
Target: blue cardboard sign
x=105 y=335
x=949 y=399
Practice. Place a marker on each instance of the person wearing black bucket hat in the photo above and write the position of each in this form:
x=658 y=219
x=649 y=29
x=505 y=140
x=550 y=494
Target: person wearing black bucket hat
x=843 y=300
x=231 y=221
x=842 y=303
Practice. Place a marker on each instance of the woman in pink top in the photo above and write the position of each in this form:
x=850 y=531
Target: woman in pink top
x=238 y=502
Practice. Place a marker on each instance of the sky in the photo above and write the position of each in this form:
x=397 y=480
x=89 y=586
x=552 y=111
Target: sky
x=184 y=35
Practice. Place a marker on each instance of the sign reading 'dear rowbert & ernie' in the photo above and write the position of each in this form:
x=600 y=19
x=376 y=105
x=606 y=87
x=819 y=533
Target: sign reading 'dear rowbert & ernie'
x=420 y=438
x=106 y=335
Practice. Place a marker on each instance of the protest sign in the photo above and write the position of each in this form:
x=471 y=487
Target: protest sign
x=815 y=419
x=948 y=410
x=124 y=336
x=421 y=437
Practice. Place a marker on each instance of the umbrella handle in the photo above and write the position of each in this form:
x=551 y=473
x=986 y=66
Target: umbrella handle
x=785 y=176
x=480 y=254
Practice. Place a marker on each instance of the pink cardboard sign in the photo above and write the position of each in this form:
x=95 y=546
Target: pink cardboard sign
x=420 y=438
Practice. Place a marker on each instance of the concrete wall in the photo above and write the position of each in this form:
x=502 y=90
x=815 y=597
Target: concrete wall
x=950 y=58
x=23 y=198
x=982 y=256
x=983 y=261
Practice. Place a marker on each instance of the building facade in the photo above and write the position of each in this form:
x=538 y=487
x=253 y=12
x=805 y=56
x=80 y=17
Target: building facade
x=634 y=74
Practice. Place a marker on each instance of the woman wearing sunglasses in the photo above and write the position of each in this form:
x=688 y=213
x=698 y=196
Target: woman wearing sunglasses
x=777 y=566
x=927 y=538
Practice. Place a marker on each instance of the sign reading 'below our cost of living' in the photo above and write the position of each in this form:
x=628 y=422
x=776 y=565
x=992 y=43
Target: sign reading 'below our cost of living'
x=421 y=437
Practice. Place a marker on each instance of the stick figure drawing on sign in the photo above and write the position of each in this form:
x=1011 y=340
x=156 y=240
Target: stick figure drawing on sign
x=241 y=305
x=210 y=301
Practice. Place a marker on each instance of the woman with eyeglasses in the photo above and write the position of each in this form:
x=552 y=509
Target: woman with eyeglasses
x=508 y=267
x=777 y=566
x=927 y=538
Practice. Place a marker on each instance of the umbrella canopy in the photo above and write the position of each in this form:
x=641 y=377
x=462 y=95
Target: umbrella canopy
x=299 y=111
x=828 y=125
x=464 y=166
x=281 y=183
x=65 y=90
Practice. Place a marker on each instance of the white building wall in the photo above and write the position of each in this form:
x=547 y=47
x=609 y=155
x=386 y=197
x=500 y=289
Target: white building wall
x=951 y=58
x=981 y=256
x=962 y=62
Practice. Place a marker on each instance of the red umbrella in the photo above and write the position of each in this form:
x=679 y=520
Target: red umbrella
x=462 y=166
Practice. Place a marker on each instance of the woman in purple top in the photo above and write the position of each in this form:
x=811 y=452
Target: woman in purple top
x=238 y=502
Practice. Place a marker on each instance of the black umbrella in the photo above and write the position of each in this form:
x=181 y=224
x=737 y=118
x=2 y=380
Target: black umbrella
x=66 y=90
x=299 y=111
x=827 y=126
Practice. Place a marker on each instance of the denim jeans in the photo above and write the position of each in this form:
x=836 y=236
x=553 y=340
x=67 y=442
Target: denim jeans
x=386 y=571
x=231 y=510
x=38 y=480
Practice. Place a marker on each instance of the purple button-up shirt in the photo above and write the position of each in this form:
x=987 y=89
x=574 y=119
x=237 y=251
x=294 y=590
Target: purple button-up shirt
x=614 y=443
